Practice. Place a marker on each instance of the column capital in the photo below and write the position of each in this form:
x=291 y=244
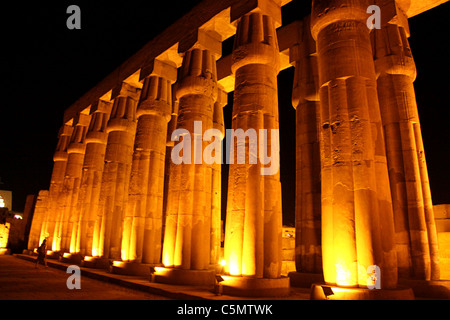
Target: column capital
x=327 y=12
x=303 y=55
x=156 y=97
x=394 y=12
x=392 y=53
x=63 y=142
x=198 y=74
x=78 y=139
x=256 y=42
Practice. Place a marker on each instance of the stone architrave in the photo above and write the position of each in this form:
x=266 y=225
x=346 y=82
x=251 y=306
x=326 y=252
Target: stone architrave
x=417 y=243
x=88 y=222
x=68 y=196
x=357 y=217
x=121 y=131
x=254 y=218
x=305 y=99
x=142 y=234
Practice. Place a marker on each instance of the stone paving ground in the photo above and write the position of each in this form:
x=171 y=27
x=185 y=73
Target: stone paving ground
x=19 y=280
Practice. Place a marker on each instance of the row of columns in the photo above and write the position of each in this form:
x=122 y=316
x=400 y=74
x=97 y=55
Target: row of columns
x=376 y=203
x=362 y=196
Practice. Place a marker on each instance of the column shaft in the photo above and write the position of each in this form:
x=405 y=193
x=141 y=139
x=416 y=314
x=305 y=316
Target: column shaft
x=37 y=230
x=143 y=222
x=411 y=196
x=253 y=224
x=59 y=169
x=308 y=252
x=72 y=180
x=357 y=219
x=116 y=173
x=89 y=222
x=188 y=217
x=216 y=201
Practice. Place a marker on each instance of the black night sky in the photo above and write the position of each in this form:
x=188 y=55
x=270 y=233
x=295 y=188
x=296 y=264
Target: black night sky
x=48 y=67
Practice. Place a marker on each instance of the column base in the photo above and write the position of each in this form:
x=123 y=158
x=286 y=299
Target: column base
x=132 y=268
x=184 y=277
x=71 y=258
x=96 y=262
x=53 y=255
x=434 y=289
x=304 y=280
x=330 y=292
x=254 y=287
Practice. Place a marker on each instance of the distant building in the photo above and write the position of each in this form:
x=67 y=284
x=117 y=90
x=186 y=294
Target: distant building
x=6 y=199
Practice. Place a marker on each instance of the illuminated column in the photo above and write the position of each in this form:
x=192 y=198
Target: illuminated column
x=121 y=131
x=142 y=236
x=216 y=201
x=305 y=99
x=59 y=169
x=188 y=212
x=72 y=180
x=254 y=221
x=357 y=218
x=171 y=127
x=417 y=243
x=87 y=208
x=40 y=211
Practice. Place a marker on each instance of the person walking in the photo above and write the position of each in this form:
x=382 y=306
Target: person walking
x=42 y=252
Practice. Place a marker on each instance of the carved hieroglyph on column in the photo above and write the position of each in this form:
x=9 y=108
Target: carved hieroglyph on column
x=417 y=243
x=305 y=99
x=40 y=211
x=88 y=222
x=69 y=194
x=357 y=218
x=254 y=220
x=142 y=235
x=59 y=169
x=116 y=173
x=188 y=215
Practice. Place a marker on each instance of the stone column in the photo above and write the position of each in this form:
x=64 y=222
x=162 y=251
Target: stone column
x=72 y=180
x=357 y=218
x=121 y=131
x=37 y=230
x=188 y=218
x=87 y=208
x=417 y=243
x=305 y=99
x=142 y=236
x=216 y=201
x=254 y=218
x=171 y=127
x=59 y=169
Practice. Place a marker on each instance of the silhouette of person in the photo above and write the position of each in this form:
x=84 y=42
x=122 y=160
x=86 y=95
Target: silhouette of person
x=42 y=252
